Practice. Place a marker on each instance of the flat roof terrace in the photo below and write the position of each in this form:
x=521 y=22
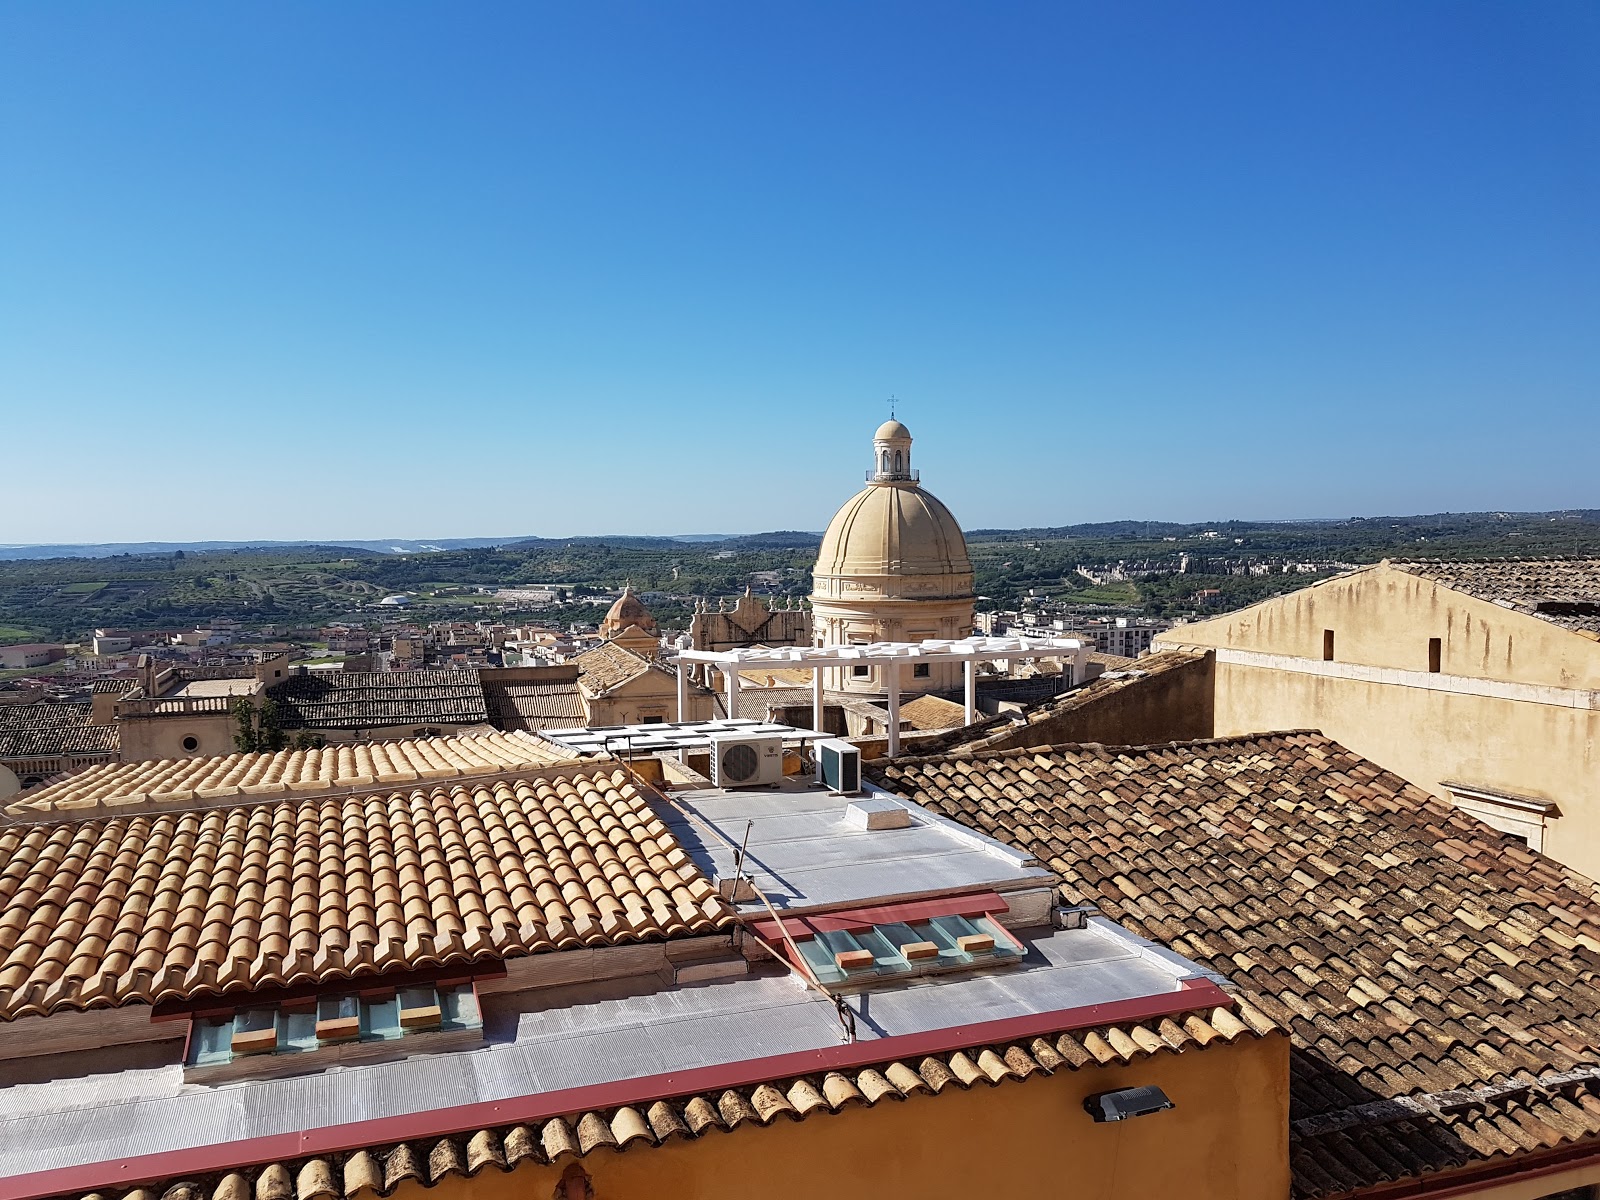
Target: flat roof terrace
x=804 y=852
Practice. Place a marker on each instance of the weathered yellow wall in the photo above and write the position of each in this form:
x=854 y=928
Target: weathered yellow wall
x=150 y=738
x=1227 y=1139
x=1383 y=618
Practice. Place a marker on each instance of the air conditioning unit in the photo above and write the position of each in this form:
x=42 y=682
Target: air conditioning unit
x=739 y=760
x=839 y=764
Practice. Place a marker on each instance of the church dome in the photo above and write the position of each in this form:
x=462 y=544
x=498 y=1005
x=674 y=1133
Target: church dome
x=896 y=529
x=892 y=533
x=628 y=610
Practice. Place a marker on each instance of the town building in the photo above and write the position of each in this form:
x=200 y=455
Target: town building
x=26 y=656
x=1479 y=681
x=468 y=966
x=42 y=740
x=1440 y=981
x=893 y=567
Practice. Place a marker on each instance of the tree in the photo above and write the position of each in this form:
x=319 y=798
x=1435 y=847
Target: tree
x=259 y=728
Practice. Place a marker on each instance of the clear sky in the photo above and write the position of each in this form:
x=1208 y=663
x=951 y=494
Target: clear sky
x=307 y=270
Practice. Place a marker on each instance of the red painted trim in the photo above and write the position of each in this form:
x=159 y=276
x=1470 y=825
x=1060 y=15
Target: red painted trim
x=1469 y=1180
x=333 y=1139
x=976 y=904
x=228 y=1004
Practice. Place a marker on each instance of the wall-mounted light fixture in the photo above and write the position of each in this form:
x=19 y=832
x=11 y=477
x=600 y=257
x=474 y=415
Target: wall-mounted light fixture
x=1128 y=1102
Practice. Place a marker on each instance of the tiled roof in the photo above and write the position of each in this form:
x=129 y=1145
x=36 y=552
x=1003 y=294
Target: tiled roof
x=380 y=1169
x=1440 y=981
x=375 y=699
x=1111 y=662
x=933 y=712
x=534 y=706
x=113 y=686
x=1563 y=591
x=608 y=665
x=46 y=730
x=122 y=787
x=181 y=904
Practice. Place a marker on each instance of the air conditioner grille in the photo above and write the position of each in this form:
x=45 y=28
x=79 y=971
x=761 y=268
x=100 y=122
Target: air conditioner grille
x=740 y=762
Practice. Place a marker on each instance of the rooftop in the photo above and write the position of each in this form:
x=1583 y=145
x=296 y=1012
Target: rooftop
x=1440 y=981
x=378 y=699
x=175 y=905
x=121 y=788
x=46 y=730
x=1563 y=591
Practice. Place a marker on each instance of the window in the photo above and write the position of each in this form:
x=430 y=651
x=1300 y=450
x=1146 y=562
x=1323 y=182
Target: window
x=860 y=672
x=1327 y=645
x=322 y=1022
x=655 y=720
x=1435 y=654
x=921 y=670
x=191 y=744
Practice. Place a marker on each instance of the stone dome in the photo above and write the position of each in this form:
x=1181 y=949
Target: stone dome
x=896 y=531
x=628 y=610
x=891 y=431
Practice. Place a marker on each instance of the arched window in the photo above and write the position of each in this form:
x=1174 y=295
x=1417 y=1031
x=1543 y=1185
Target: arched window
x=885 y=467
x=897 y=467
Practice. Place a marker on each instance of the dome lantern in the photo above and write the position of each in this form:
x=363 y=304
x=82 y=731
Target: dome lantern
x=891 y=454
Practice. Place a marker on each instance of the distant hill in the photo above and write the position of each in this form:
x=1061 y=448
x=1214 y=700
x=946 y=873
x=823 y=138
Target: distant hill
x=1347 y=529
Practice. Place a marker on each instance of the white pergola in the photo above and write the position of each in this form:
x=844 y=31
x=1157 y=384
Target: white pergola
x=967 y=651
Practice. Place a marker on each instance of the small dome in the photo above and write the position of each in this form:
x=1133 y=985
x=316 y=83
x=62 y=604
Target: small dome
x=896 y=530
x=628 y=610
x=892 y=431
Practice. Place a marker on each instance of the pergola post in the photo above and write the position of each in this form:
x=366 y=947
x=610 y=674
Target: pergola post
x=731 y=674
x=892 y=671
x=970 y=670
x=683 y=690
x=816 y=699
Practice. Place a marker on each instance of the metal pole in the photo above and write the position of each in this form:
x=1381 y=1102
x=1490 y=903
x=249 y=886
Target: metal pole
x=816 y=699
x=893 y=672
x=970 y=667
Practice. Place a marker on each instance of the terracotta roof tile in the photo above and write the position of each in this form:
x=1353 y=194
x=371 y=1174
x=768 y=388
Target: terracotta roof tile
x=196 y=782
x=292 y=891
x=1565 y=592
x=376 y=699
x=47 y=730
x=1423 y=963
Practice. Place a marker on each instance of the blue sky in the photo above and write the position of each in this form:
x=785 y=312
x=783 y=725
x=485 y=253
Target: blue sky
x=366 y=270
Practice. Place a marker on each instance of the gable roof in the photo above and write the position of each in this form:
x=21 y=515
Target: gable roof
x=120 y=788
x=46 y=730
x=376 y=699
x=175 y=905
x=933 y=712
x=1440 y=981
x=1563 y=591
x=609 y=666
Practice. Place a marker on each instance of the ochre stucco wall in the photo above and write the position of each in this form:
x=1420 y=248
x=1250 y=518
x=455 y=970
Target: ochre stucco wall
x=1225 y=1140
x=1383 y=617
x=1544 y=749
x=150 y=738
